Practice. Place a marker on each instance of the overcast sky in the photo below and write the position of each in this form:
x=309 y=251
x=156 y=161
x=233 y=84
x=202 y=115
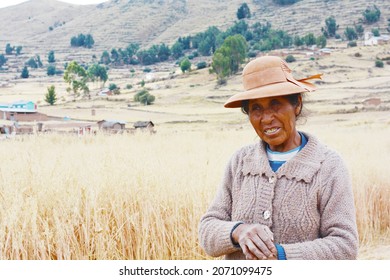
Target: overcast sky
x=5 y=3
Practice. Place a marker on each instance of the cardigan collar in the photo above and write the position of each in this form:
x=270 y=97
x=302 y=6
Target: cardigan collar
x=303 y=166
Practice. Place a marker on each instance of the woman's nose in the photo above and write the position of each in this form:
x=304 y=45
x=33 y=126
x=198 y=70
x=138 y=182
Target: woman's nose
x=268 y=116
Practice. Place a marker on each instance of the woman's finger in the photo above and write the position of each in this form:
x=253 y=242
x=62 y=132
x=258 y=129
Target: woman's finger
x=260 y=248
x=266 y=236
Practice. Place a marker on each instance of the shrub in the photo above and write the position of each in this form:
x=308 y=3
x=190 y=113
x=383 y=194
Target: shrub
x=379 y=63
x=51 y=70
x=32 y=63
x=352 y=44
x=185 y=65
x=201 y=65
x=243 y=11
x=252 y=54
x=372 y=14
x=25 y=74
x=290 y=58
x=3 y=59
x=144 y=97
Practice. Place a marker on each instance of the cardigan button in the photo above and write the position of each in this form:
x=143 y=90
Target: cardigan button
x=266 y=214
x=271 y=179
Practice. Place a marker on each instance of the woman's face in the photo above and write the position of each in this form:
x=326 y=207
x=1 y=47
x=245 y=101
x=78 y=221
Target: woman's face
x=273 y=119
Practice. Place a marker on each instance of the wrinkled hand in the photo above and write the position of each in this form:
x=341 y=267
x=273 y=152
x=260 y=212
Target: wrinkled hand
x=256 y=241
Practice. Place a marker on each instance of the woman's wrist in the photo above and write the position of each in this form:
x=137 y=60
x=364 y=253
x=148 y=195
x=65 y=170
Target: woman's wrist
x=281 y=253
x=234 y=235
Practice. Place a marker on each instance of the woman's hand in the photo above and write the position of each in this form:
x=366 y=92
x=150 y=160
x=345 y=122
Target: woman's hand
x=256 y=241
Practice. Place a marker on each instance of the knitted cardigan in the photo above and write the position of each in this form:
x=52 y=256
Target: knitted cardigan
x=308 y=204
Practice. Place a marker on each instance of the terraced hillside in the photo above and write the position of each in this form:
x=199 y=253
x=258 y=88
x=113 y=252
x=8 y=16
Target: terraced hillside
x=119 y=22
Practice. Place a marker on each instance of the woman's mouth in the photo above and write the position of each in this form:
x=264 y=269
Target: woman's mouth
x=271 y=131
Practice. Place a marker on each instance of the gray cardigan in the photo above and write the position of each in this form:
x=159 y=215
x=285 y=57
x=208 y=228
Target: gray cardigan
x=308 y=204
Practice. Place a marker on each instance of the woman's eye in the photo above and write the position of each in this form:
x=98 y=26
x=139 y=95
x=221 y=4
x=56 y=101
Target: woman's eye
x=275 y=104
x=256 y=108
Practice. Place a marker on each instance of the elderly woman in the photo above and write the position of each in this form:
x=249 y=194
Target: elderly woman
x=287 y=196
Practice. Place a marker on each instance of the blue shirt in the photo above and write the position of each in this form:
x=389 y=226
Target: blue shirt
x=277 y=159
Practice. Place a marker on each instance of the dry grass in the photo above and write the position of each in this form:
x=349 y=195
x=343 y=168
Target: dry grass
x=141 y=196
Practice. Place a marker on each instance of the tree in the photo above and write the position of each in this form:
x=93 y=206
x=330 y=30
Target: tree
x=114 y=88
x=25 y=74
x=51 y=96
x=19 y=50
x=321 y=41
x=206 y=42
x=51 y=70
x=78 y=41
x=350 y=34
x=147 y=57
x=39 y=62
x=359 y=30
x=375 y=32
x=285 y=2
x=243 y=11
x=9 y=49
x=50 y=57
x=163 y=52
x=309 y=39
x=237 y=47
x=3 y=60
x=185 y=65
x=132 y=49
x=260 y=30
x=186 y=42
x=177 y=50
x=240 y=27
x=388 y=25
x=97 y=72
x=221 y=65
x=32 y=63
x=298 y=41
x=206 y=47
x=114 y=56
x=330 y=27
x=89 y=42
x=82 y=41
x=227 y=58
x=371 y=14
x=77 y=78
x=105 y=58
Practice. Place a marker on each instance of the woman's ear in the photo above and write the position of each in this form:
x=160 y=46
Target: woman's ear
x=298 y=108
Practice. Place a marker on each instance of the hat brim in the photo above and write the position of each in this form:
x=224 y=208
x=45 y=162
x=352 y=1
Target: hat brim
x=271 y=90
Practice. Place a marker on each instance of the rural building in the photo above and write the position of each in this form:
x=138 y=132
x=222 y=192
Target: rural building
x=372 y=102
x=20 y=106
x=145 y=126
x=105 y=92
x=325 y=51
x=85 y=129
x=371 y=40
x=111 y=125
x=6 y=127
x=21 y=111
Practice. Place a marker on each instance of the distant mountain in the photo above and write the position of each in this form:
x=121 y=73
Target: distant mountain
x=117 y=23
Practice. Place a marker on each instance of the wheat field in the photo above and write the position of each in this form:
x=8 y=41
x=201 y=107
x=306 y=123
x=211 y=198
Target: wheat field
x=141 y=196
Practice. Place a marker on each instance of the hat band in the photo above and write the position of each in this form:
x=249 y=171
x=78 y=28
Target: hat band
x=264 y=77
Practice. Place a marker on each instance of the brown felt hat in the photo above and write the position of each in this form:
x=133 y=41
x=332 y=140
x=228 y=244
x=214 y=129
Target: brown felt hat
x=269 y=76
